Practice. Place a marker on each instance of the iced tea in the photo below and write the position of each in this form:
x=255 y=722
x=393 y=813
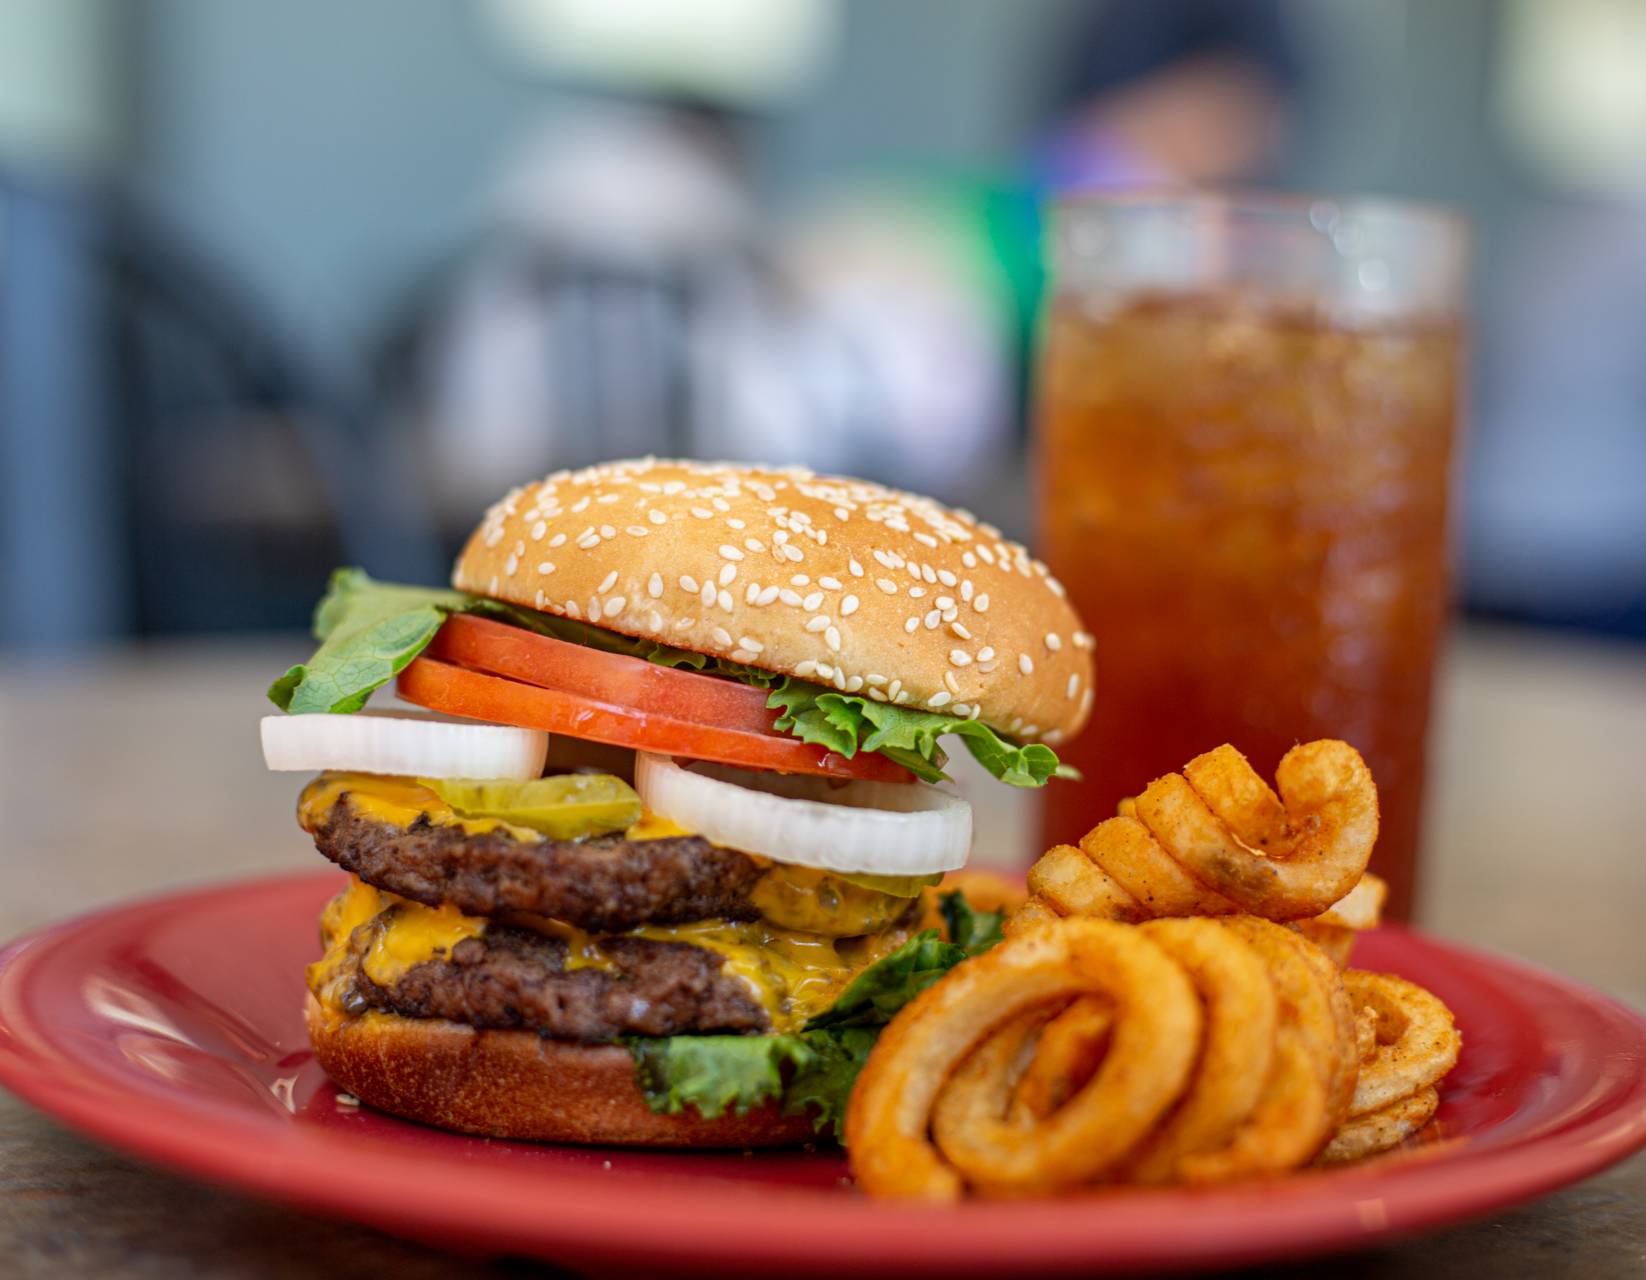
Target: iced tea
x=1246 y=497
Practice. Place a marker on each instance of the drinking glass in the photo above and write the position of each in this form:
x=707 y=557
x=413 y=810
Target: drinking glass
x=1247 y=409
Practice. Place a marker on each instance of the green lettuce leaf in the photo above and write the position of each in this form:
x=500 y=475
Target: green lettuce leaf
x=816 y=1066
x=369 y=631
x=873 y=996
x=971 y=930
x=717 y=1074
x=846 y=724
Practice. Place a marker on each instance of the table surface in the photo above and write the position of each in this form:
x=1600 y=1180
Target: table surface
x=139 y=771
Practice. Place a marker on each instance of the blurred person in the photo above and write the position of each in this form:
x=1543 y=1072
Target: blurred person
x=1186 y=92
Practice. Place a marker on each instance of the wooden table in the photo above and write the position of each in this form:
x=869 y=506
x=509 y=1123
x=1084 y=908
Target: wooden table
x=139 y=771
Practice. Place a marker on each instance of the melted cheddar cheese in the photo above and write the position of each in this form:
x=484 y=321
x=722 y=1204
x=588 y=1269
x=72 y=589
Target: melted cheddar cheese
x=791 y=960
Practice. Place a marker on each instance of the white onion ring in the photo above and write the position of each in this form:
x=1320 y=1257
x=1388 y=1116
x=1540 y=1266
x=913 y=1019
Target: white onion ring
x=880 y=828
x=421 y=746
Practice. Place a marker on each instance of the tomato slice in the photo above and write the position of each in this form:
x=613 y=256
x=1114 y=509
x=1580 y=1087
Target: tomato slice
x=502 y=650
x=458 y=691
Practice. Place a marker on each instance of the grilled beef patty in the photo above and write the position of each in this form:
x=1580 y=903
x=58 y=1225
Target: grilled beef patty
x=511 y=978
x=603 y=883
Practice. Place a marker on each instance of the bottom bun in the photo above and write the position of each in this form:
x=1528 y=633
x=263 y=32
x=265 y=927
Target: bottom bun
x=516 y=1084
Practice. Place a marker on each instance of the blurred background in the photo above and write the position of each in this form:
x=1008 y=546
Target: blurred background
x=290 y=285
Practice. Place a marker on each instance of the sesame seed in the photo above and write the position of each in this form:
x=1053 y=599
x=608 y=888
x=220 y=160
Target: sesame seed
x=571 y=609
x=729 y=552
x=684 y=624
x=944 y=602
x=977 y=710
x=510 y=565
x=966 y=590
x=654 y=620
x=933 y=617
x=829 y=584
x=856 y=569
x=911 y=624
x=968 y=559
x=840 y=513
x=1054 y=642
x=688 y=583
x=538 y=598
x=594 y=609
x=948 y=679
x=884 y=558
x=721 y=505
x=1053 y=737
x=813 y=601
x=638 y=531
x=894 y=689
x=960 y=657
x=559 y=540
x=654 y=585
x=949 y=615
x=831 y=637
x=959 y=628
x=926 y=573
x=926 y=540
x=656 y=516
x=806 y=668
x=608 y=582
x=707 y=594
x=703 y=513
x=782 y=535
x=727 y=573
x=962 y=709
x=988 y=666
x=941 y=698
x=875 y=679
x=886 y=585
x=1031 y=731
x=547 y=566
x=589 y=541
x=790 y=597
x=819 y=623
x=743 y=655
x=917 y=593
x=946 y=578
x=539 y=529
x=983 y=654
x=734 y=523
x=751 y=593
x=724 y=599
x=606 y=531
x=981 y=604
x=988 y=556
x=800 y=580
x=853 y=683
x=1025 y=664
x=793 y=553
x=767 y=595
x=721 y=635
x=848 y=606
x=1073 y=686
x=750 y=643
x=581 y=505
x=879 y=695
x=1082 y=639
x=614 y=606
x=606 y=499
x=754 y=544
x=825 y=670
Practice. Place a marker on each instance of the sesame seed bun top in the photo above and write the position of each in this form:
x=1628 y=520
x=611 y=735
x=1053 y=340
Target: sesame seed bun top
x=850 y=584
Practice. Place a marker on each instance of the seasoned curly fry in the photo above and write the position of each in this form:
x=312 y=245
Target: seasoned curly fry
x=1151 y=1052
x=1417 y=1042
x=1066 y=1054
x=1366 y=1135
x=1216 y=840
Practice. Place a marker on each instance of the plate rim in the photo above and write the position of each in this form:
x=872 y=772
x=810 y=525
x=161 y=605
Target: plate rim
x=1310 y=1220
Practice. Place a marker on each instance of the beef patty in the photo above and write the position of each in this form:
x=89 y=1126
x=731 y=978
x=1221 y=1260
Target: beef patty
x=604 y=883
x=511 y=977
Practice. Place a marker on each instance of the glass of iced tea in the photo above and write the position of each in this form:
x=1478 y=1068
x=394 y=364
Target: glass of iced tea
x=1247 y=409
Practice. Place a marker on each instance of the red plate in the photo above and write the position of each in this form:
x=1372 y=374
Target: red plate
x=172 y=1028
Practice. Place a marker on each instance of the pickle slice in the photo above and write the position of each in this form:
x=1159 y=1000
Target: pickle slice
x=896 y=886
x=567 y=806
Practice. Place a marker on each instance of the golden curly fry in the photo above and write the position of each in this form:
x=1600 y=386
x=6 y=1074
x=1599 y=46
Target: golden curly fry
x=1216 y=840
x=1151 y=1052
x=1380 y=1130
x=1067 y=1052
x=1242 y=1016
x=1417 y=1041
x=1312 y=1075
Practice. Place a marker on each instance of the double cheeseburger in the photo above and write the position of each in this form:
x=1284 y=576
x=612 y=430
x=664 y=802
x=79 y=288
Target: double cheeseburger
x=663 y=857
